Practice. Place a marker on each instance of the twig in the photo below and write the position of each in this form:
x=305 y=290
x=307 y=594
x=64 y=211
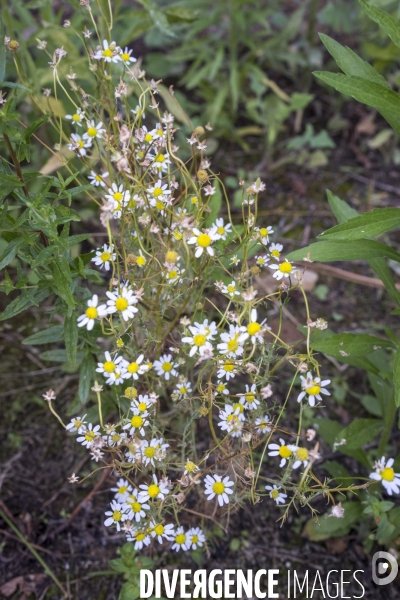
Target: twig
x=347 y=275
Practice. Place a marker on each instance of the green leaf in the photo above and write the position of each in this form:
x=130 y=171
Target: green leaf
x=369 y=224
x=61 y=286
x=59 y=355
x=2 y=52
x=35 y=125
x=329 y=429
x=327 y=527
x=71 y=337
x=46 y=336
x=396 y=376
x=381 y=268
x=359 y=433
x=85 y=377
x=342 y=211
x=338 y=472
x=386 y=22
x=129 y=591
x=23 y=302
x=351 y=344
x=10 y=252
x=337 y=251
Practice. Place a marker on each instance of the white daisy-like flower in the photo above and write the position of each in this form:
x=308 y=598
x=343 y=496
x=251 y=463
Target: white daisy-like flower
x=160 y=162
x=202 y=335
x=262 y=261
x=122 y=490
x=232 y=342
x=115 y=438
x=135 y=509
x=384 y=472
x=275 y=494
x=231 y=420
x=135 y=368
x=280 y=450
x=104 y=256
x=301 y=456
x=180 y=540
x=203 y=241
x=227 y=369
x=157 y=490
x=284 y=269
x=141 y=404
x=122 y=302
x=138 y=112
x=183 y=389
x=98 y=180
x=79 y=144
x=173 y=274
x=116 y=515
x=94 y=131
x=111 y=368
x=254 y=329
x=161 y=531
x=109 y=53
x=313 y=387
x=88 y=434
x=92 y=313
x=155 y=450
x=75 y=424
x=220 y=487
x=77 y=117
x=230 y=290
x=125 y=56
x=195 y=538
x=263 y=424
x=140 y=538
x=249 y=398
x=190 y=468
x=264 y=232
x=275 y=250
x=158 y=191
x=222 y=229
x=221 y=388
x=137 y=423
x=165 y=367
x=118 y=196
x=158 y=132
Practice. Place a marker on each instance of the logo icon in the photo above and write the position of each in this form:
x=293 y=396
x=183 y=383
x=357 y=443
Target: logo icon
x=387 y=565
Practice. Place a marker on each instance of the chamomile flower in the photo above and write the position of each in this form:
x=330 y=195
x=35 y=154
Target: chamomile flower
x=104 y=256
x=118 y=196
x=158 y=191
x=122 y=302
x=111 y=368
x=135 y=368
x=262 y=261
x=161 y=531
x=183 y=389
x=122 y=490
x=284 y=269
x=313 y=387
x=157 y=490
x=135 y=509
x=109 y=53
x=138 y=112
x=165 y=367
x=116 y=515
x=222 y=229
x=94 y=131
x=190 y=468
x=232 y=341
x=125 y=56
x=76 y=424
x=160 y=162
x=203 y=241
x=88 y=435
x=275 y=250
x=92 y=313
x=77 y=117
x=141 y=404
x=384 y=472
x=202 y=335
x=249 y=397
x=230 y=290
x=254 y=329
x=173 y=275
x=231 y=420
x=140 y=539
x=195 y=537
x=137 y=423
x=275 y=494
x=301 y=456
x=216 y=486
x=227 y=369
x=264 y=232
x=280 y=450
x=221 y=388
x=155 y=450
x=235 y=260
x=180 y=540
x=115 y=438
x=263 y=424
x=98 y=180
x=79 y=144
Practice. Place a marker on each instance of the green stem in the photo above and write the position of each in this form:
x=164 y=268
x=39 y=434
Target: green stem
x=388 y=421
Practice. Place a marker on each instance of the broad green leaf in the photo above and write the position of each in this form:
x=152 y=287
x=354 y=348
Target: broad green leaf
x=129 y=591
x=328 y=430
x=342 y=211
x=23 y=302
x=46 y=336
x=71 y=337
x=359 y=433
x=396 y=376
x=85 y=377
x=337 y=251
x=327 y=527
x=386 y=22
x=351 y=344
x=369 y=224
x=381 y=268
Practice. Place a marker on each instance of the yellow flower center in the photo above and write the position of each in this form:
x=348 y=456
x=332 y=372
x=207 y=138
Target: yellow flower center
x=160 y=205
x=98 y=178
x=221 y=230
x=150 y=452
x=80 y=144
x=117 y=515
x=132 y=204
x=148 y=138
x=253 y=328
x=199 y=339
x=285 y=267
x=275 y=253
x=233 y=345
x=284 y=452
x=157 y=192
x=159 y=529
x=130 y=393
x=302 y=454
x=160 y=158
x=190 y=466
x=180 y=538
x=76 y=117
x=387 y=474
x=136 y=506
x=136 y=421
x=133 y=367
x=159 y=132
x=171 y=256
x=274 y=494
x=109 y=366
x=125 y=56
x=91 y=312
x=263 y=232
x=92 y=131
x=115 y=437
x=105 y=256
x=177 y=235
x=219 y=487
x=77 y=423
x=239 y=406
x=221 y=387
x=231 y=289
x=90 y=435
x=203 y=240
x=107 y=53
x=228 y=367
x=172 y=274
x=313 y=390
x=195 y=539
x=232 y=417
x=153 y=490
x=249 y=397
x=122 y=490
x=167 y=366
x=193 y=200
x=118 y=196
x=140 y=537
x=142 y=406
x=141 y=261
x=121 y=304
